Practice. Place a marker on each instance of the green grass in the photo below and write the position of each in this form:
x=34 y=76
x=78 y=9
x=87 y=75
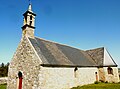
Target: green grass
x=3 y=86
x=100 y=86
x=91 y=86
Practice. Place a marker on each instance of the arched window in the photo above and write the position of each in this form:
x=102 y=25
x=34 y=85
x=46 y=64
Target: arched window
x=31 y=17
x=31 y=20
x=30 y=23
x=75 y=72
x=110 y=70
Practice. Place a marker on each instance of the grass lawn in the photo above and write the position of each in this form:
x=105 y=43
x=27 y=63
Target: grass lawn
x=3 y=86
x=100 y=86
x=91 y=86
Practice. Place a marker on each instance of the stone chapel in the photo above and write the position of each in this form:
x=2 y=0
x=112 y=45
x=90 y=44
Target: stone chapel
x=42 y=64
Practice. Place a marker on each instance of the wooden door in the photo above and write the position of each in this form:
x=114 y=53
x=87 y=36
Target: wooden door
x=20 y=80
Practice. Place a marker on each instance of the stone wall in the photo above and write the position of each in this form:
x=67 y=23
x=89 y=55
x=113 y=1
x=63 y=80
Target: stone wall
x=26 y=61
x=111 y=77
x=3 y=80
x=101 y=74
x=65 y=78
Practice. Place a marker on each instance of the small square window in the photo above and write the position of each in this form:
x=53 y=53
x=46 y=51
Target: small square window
x=110 y=70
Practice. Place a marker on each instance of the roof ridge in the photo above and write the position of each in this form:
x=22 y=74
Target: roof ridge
x=95 y=48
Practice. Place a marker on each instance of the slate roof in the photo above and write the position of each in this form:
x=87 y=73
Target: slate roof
x=98 y=56
x=55 y=54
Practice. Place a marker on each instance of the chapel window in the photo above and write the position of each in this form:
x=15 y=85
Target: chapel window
x=31 y=17
x=75 y=72
x=30 y=20
x=110 y=70
x=30 y=23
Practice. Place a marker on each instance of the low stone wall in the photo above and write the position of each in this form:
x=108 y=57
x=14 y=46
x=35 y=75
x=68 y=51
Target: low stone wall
x=3 y=80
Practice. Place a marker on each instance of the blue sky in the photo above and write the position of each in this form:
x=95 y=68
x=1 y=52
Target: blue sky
x=84 y=24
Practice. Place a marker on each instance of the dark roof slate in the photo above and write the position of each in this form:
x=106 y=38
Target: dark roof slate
x=97 y=55
x=52 y=53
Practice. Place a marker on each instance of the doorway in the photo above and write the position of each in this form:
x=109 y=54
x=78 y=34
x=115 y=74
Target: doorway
x=20 y=80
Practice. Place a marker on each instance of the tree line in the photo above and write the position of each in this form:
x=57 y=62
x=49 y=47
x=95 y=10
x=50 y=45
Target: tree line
x=4 y=69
